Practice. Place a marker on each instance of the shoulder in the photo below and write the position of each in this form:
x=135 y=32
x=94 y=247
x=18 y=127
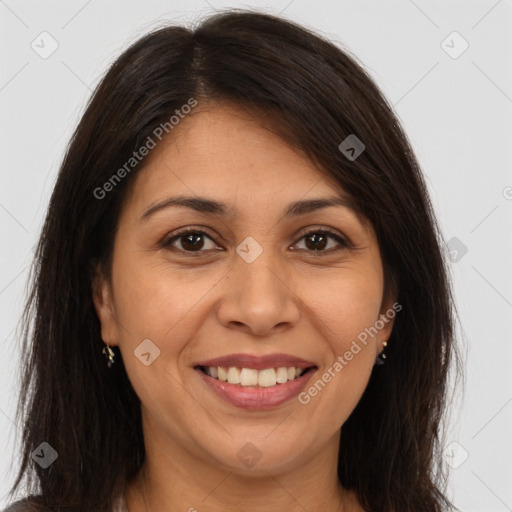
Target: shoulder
x=23 y=505
x=30 y=504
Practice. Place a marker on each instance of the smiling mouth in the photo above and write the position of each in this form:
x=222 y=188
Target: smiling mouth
x=252 y=378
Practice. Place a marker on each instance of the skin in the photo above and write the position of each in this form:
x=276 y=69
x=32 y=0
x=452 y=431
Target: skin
x=306 y=303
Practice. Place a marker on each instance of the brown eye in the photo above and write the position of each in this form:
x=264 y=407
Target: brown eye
x=191 y=240
x=318 y=240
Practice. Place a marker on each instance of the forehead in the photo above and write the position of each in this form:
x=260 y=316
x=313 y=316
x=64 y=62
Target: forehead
x=227 y=143
x=223 y=147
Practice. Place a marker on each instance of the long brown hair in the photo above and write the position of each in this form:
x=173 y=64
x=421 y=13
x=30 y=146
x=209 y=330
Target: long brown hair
x=314 y=95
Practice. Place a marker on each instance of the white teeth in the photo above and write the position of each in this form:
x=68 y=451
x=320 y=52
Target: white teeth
x=234 y=375
x=250 y=377
x=223 y=374
x=267 y=378
x=282 y=375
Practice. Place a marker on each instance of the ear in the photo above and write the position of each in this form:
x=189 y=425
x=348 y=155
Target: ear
x=389 y=309
x=386 y=321
x=103 y=304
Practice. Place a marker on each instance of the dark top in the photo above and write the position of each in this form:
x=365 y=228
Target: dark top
x=26 y=505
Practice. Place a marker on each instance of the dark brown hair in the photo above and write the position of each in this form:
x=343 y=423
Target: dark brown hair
x=314 y=95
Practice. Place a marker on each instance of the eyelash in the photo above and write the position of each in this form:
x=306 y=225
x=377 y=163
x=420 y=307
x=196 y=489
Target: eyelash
x=167 y=244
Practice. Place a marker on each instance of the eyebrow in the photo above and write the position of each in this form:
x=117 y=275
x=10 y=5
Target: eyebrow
x=220 y=209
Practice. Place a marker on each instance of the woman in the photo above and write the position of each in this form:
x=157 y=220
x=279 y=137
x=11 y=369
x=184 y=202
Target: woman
x=240 y=299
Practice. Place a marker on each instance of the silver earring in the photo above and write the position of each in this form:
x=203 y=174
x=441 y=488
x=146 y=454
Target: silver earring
x=381 y=358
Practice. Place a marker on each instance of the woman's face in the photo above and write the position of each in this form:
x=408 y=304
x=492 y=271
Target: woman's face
x=247 y=290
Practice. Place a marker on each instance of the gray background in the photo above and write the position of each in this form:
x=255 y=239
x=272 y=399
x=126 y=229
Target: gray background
x=456 y=110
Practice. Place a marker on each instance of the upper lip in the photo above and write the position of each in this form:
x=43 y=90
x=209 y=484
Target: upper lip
x=257 y=362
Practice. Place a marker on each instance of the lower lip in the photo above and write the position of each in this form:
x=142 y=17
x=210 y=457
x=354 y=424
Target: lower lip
x=256 y=398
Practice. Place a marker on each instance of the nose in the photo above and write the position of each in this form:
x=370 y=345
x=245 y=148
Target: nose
x=258 y=297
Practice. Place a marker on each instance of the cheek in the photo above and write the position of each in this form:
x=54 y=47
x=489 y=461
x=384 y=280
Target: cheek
x=344 y=318
x=148 y=297
x=345 y=309
x=164 y=305
x=160 y=306
x=346 y=305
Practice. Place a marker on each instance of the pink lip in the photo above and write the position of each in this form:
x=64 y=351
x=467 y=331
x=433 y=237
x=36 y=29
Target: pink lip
x=257 y=362
x=256 y=398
